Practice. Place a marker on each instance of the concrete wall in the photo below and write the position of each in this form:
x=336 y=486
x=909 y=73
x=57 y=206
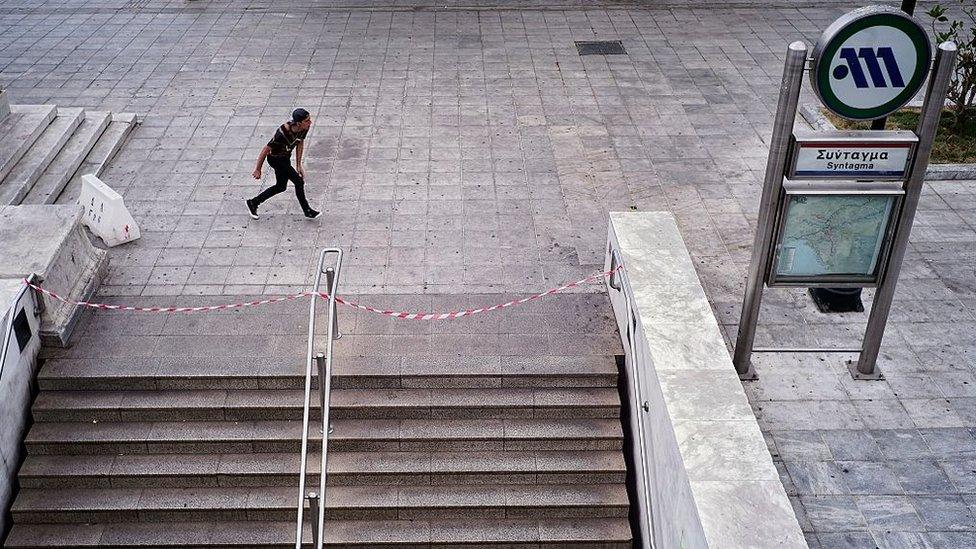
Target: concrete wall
x=710 y=479
x=16 y=385
x=50 y=241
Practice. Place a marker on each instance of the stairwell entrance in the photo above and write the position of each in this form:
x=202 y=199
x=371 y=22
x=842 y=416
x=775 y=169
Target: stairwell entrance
x=496 y=430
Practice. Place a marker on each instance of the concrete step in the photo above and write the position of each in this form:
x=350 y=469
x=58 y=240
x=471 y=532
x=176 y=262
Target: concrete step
x=101 y=154
x=342 y=503
x=345 y=469
x=278 y=404
x=19 y=130
x=36 y=159
x=146 y=373
x=351 y=435
x=66 y=163
x=602 y=533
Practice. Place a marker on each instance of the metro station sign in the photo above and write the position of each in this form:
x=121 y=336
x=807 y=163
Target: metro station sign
x=852 y=229
x=860 y=155
x=870 y=62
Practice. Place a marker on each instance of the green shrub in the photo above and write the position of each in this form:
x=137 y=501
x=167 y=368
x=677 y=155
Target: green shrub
x=962 y=90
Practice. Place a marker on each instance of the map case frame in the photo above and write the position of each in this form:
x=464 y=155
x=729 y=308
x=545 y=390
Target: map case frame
x=882 y=204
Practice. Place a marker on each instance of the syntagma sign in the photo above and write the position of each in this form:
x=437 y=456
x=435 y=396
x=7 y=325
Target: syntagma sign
x=861 y=155
x=870 y=62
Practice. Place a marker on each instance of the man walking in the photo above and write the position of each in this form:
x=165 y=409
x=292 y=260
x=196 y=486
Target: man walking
x=291 y=135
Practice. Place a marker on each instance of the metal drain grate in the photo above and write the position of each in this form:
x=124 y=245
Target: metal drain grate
x=601 y=47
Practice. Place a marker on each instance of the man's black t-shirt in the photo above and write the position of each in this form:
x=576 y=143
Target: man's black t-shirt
x=285 y=139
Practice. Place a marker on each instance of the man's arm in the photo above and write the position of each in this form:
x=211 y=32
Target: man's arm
x=299 y=149
x=261 y=157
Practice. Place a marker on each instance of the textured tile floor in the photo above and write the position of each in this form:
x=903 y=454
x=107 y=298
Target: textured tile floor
x=473 y=151
x=453 y=151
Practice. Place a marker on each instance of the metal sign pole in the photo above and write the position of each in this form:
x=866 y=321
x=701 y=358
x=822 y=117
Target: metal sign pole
x=789 y=95
x=927 y=127
x=907 y=6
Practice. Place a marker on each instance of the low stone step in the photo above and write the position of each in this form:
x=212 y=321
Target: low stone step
x=257 y=404
x=101 y=154
x=36 y=159
x=49 y=186
x=345 y=469
x=602 y=533
x=349 y=435
x=19 y=130
x=342 y=503
x=132 y=373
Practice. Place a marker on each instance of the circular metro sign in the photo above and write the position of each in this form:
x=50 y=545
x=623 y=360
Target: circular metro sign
x=870 y=62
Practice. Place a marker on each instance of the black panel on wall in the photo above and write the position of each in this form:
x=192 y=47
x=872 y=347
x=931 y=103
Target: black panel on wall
x=22 y=329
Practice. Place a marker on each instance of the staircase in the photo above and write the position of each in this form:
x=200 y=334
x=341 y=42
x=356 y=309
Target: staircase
x=45 y=149
x=434 y=451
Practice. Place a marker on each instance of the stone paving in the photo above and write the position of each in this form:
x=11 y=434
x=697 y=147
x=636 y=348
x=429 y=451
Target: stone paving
x=452 y=151
x=473 y=151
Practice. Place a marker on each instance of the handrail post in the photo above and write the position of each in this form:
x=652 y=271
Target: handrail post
x=39 y=306
x=320 y=362
x=313 y=508
x=329 y=280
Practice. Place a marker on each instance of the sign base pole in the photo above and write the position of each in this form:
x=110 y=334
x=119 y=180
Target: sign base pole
x=876 y=375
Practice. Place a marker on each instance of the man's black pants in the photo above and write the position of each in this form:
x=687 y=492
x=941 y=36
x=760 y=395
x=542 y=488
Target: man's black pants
x=283 y=172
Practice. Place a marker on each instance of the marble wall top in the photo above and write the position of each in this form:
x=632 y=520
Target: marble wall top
x=737 y=490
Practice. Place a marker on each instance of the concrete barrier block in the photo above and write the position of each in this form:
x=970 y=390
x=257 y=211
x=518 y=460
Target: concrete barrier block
x=105 y=212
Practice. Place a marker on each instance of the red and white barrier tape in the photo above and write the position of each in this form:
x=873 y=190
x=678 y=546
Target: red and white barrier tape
x=105 y=306
x=469 y=312
x=323 y=295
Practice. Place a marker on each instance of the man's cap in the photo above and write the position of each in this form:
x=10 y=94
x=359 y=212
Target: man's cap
x=299 y=115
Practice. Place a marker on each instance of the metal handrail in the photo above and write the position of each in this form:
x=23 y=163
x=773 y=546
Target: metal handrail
x=324 y=363
x=638 y=395
x=9 y=332
x=642 y=408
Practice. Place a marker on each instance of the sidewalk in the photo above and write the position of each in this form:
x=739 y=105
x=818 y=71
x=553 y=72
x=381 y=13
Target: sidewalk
x=453 y=152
